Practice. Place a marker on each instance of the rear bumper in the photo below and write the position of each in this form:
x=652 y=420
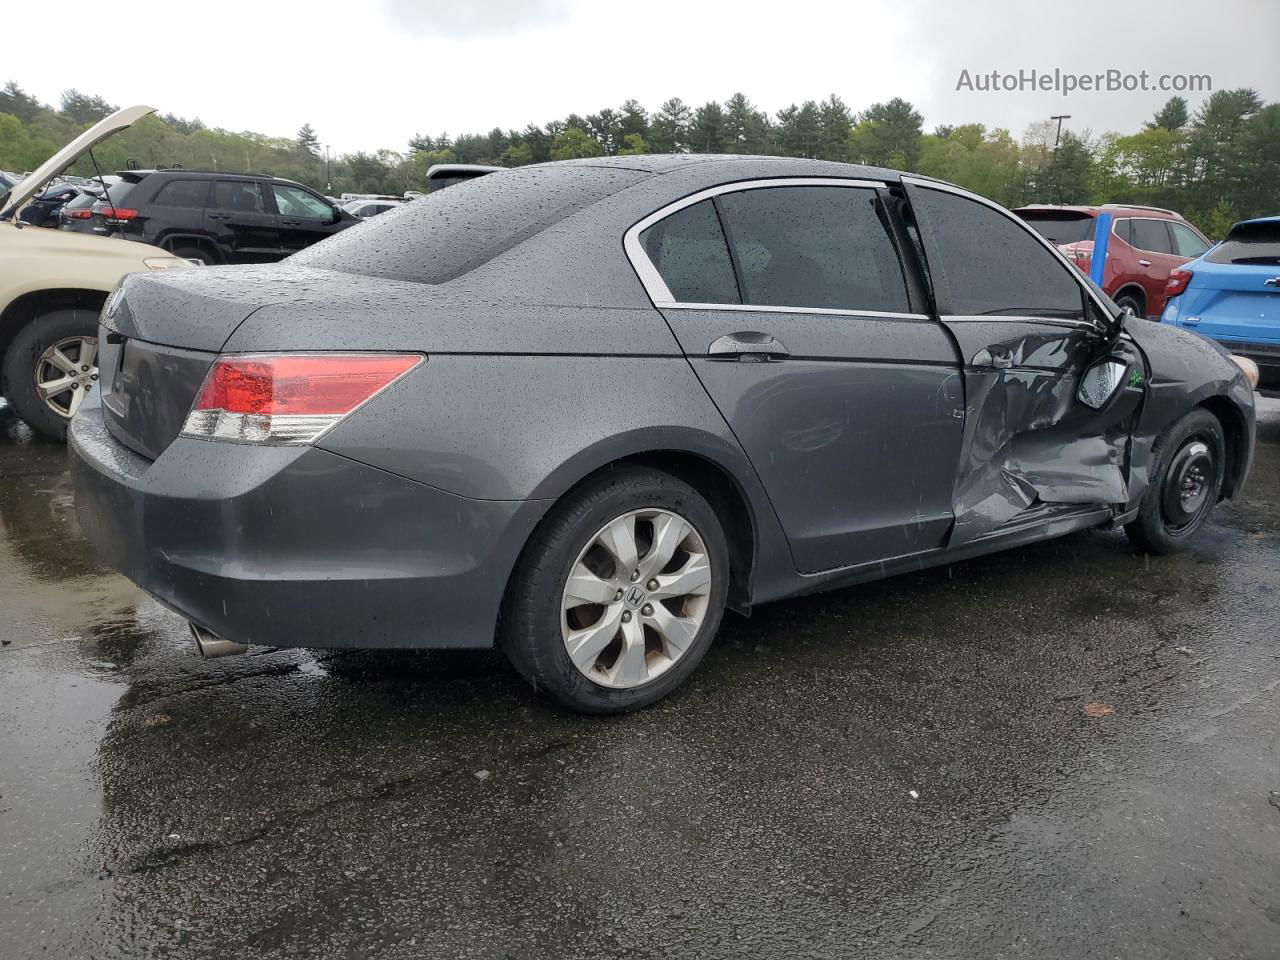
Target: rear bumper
x=296 y=546
x=1261 y=353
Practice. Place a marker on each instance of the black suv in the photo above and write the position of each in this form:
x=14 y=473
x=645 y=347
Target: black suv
x=217 y=217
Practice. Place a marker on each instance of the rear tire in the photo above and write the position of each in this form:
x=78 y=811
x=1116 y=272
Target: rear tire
x=1132 y=304
x=646 y=634
x=27 y=367
x=1189 y=464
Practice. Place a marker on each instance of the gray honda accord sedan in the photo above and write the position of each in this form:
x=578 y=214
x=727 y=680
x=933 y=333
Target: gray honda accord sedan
x=578 y=409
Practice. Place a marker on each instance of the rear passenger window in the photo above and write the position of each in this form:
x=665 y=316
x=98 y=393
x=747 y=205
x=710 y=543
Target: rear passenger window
x=1186 y=242
x=1151 y=235
x=985 y=264
x=689 y=252
x=1124 y=230
x=243 y=196
x=183 y=193
x=811 y=246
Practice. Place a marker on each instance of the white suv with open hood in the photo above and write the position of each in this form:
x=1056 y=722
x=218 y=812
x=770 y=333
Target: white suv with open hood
x=52 y=286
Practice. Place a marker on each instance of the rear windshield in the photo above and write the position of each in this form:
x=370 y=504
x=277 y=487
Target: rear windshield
x=451 y=232
x=117 y=192
x=82 y=201
x=1249 y=243
x=1060 y=228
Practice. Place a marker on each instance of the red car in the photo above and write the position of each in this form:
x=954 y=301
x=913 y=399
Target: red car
x=1146 y=244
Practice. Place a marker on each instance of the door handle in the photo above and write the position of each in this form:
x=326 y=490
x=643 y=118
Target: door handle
x=1144 y=263
x=1272 y=282
x=219 y=216
x=747 y=345
x=997 y=358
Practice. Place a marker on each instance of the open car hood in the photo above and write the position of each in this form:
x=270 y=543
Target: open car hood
x=27 y=188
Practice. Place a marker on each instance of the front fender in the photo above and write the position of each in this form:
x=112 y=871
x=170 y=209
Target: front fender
x=1186 y=371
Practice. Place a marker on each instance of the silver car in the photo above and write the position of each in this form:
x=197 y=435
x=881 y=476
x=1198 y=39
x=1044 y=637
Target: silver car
x=579 y=409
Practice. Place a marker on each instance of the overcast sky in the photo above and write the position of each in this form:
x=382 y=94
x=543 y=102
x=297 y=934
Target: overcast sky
x=369 y=75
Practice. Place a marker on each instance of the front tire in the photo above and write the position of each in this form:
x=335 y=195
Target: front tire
x=50 y=367
x=619 y=594
x=1190 y=460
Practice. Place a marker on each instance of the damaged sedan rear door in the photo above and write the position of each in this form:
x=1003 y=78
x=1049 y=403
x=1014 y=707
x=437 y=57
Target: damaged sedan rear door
x=1027 y=331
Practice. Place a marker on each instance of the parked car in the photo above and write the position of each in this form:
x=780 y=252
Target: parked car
x=1146 y=244
x=44 y=210
x=371 y=208
x=1231 y=294
x=52 y=286
x=585 y=407
x=441 y=175
x=217 y=218
x=77 y=214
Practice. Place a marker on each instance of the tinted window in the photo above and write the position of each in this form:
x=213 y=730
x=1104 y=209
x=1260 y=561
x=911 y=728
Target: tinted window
x=688 y=250
x=1151 y=235
x=117 y=193
x=1124 y=230
x=1186 y=242
x=1250 y=243
x=449 y=232
x=240 y=195
x=296 y=202
x=822 y=247
x=82 y=201
x=988 y=265
x=1060 y=228
x=183 y=193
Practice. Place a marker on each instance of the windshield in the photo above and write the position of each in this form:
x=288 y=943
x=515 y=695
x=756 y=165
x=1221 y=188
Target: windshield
x=1249 y=243
x=451 y=232
x=1060 y=227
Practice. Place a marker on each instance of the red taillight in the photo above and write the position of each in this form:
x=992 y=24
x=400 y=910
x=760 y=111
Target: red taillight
x=118 y=214
x=79 y=214
x=1177 y=282
x=288 y=398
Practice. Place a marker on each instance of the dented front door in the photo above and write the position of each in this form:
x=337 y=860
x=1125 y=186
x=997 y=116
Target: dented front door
x=1025 y=333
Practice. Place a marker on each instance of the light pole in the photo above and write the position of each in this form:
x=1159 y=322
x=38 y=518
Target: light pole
x=328 y=184
x=1056 y=137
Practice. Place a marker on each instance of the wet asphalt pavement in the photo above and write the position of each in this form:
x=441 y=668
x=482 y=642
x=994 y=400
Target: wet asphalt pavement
x=358 y=805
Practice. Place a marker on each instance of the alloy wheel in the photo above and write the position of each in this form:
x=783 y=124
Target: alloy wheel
x=635 y=598
x=66 y=372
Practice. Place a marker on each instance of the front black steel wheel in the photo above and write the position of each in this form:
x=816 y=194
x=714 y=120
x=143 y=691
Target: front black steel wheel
x=1190 y=465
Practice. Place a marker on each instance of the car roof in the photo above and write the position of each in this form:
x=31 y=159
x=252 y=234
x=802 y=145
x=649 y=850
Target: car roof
x=136 y=175
x=1272 y=219
x=665 y=163
x=1094 y=209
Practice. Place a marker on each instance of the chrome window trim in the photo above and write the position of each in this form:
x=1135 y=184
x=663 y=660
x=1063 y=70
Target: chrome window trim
x=657 y=288
x=1052 y=321
x=1071 y=268
x=824 y=311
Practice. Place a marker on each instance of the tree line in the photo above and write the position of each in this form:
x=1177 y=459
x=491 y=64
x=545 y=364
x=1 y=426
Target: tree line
x=1215 y=164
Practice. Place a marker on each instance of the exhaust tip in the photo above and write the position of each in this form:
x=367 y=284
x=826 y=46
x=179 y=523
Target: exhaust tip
x=211 y=645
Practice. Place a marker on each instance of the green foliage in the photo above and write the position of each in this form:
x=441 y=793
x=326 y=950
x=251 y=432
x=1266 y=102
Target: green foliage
x=1216 y=164
x=573 y=143
x=633 y=144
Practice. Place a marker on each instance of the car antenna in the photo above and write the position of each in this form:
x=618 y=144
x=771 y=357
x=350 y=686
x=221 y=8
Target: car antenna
x=96 y=169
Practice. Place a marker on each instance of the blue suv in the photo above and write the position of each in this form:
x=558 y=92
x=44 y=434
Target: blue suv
x=1231 y=294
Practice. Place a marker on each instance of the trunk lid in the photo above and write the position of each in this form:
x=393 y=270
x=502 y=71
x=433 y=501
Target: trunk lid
x=1233 y=302
x=159 y=337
